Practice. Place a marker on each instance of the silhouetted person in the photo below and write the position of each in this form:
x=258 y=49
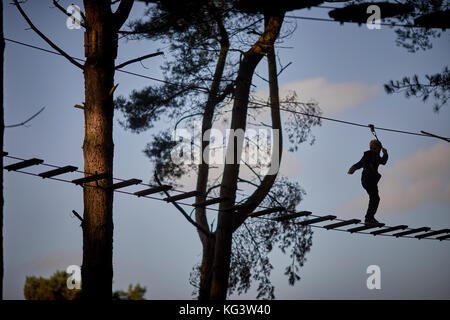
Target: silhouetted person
x=370 y=176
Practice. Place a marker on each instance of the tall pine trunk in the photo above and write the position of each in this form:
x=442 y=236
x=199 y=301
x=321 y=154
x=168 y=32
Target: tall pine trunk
x=98 y=150
x=100 y=44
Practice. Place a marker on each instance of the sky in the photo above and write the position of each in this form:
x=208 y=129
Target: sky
x=342 y=67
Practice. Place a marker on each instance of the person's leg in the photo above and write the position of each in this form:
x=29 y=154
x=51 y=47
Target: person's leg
x=374 y=199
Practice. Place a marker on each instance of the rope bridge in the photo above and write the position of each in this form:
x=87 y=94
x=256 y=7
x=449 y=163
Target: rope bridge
x=151 y=191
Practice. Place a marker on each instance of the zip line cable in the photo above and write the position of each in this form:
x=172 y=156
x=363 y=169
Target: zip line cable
x=383 y=232
x=344 y=121
x=254 y=102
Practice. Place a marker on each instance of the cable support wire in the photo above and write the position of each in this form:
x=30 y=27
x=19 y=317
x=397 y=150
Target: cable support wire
x=265 y=105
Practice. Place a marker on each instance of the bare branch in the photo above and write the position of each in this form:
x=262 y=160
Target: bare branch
x=139 y=59
x=79 y=217
x=261 y=77
x=122 y=12
x=54 y=46
x=283 y=68
x=195 y=224
x=227 y=91
x=23 y=123
x=252 y=170
x=212 y=188
x=58 y=6
x=270 y=195
x=186 y=117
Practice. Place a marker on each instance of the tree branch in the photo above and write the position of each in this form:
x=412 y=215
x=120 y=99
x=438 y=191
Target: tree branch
x=122 y=13
x=261 y=77
x=195 y=224
x=138 y=59
x=26 y=121
x=274 y=199
x=186 y=117
x=227 y=91
x=269 y=179
x=58 y=6
x=252 y=170
x=283 y=68
x=54 y=46
x=212 y=188
x=207 y=121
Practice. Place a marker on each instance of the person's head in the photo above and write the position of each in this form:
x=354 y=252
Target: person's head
x=375 y=145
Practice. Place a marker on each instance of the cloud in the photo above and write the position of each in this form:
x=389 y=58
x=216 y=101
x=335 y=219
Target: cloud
x=421 y=178
x=332 y=97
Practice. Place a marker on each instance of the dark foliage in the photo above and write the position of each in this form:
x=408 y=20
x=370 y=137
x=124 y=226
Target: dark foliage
x=255 y=6
x=357 y=12
x=436 y=86
x=415 y=39
x=426 y=14
x=55 y=288
x=160 y=153
x=255 y=240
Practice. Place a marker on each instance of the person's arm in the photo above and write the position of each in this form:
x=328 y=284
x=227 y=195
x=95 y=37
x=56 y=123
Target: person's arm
x=385 y=156
x=357 y=165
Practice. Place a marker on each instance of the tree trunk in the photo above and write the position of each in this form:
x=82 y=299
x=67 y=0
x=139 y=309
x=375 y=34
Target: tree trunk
x=98 y=150
x=202 y=179
x=203 y=168
x=224 y=233
x=2 y=130
x=206 y=269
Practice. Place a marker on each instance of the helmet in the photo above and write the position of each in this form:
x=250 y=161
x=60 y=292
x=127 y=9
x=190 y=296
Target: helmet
x=374 y=144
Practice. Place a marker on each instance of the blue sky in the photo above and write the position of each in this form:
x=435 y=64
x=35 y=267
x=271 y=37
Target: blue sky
x=342 y=67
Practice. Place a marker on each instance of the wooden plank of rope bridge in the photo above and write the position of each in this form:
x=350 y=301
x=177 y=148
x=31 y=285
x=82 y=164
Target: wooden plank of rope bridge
x=124 y=184
x=182 y=196
x=292 y=216
x=316 y=220
x=443 y=237
x=56 y=172
x=205 y=203
x=24 y=164
x=94 y=177
x=266 y=211
x=389 y=229
x=366 y=227
x=153 y=190
x=432 y=233
x=342 y=224
x=404 y=233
